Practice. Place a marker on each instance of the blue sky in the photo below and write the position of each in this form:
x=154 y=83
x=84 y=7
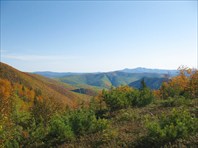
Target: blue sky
x=88 y=36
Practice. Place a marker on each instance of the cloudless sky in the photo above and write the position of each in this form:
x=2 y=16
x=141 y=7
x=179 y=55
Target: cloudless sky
x=92 y=36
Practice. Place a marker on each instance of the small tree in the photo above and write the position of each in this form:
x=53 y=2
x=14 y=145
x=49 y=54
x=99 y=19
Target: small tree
x=117 y=98
x=142 y=97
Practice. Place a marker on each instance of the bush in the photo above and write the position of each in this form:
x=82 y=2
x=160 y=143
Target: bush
x=60 y=129
x=168 y=128
x=34 y=135
x=124 y=96
x=109 y=135
x=10 y=137
x=117 y=98
x=127 y=115
x=100 y=125
x=185 y=84
x=173 y=102
x=142 y=98
x=11 y=144
x=83 y=121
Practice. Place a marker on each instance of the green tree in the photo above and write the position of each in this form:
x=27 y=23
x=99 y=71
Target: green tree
x=117 y=98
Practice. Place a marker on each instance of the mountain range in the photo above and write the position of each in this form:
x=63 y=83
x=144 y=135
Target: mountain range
x=50 y=74
x=153 y=78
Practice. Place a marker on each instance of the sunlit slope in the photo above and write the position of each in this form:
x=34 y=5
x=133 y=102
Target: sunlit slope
x=58 y=91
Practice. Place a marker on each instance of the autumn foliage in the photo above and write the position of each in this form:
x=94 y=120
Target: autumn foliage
x=185 y=84
x=30 y=115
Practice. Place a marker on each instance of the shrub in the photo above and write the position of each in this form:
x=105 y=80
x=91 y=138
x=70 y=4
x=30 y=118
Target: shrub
x=124 y=96
x=11 y=143
x=185 y=84
x=145 y=97
x=127 y=115
x=168 y=128
x=173 y=102
x=109 y=135
x=100 y=125
x=117 y=98
x=83 y=121
x=34 y=135
x=60 y=129
x=10 y=136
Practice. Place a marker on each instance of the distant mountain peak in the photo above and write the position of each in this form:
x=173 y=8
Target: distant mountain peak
x=149 y=70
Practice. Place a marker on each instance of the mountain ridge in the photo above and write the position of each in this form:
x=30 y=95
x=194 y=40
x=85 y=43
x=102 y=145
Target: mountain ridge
x=52 y=74
x=151 y=70
x=105 y=80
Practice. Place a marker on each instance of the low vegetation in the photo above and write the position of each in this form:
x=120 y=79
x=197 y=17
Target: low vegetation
x=124 y=96
x=178 y=124
x=118 y=117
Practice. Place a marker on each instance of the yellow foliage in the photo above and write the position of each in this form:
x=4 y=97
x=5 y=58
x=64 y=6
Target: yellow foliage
x=186 y=83
x=5 y=92
x=193 y=86
x=5 y=89
x=124 y=88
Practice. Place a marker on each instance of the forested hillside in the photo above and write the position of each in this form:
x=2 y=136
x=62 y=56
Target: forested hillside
x=48 y=88
x=33 y=113
x=152 y=83
x=107 y=80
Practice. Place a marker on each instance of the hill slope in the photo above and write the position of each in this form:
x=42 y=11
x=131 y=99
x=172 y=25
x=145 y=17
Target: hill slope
x=152 y=83
x=50 y=88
